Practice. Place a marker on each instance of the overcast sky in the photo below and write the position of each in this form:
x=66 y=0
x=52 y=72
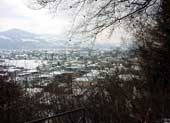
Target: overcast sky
x=15 y=14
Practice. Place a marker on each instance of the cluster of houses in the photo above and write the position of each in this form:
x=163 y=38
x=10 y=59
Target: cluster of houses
x=77 y=69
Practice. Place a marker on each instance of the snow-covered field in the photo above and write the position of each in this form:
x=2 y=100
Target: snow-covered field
x=27 y=64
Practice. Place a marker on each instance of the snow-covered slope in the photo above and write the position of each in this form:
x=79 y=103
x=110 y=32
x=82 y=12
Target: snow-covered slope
x=20 y=39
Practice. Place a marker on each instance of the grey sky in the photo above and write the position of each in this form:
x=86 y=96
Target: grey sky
x=15 y=14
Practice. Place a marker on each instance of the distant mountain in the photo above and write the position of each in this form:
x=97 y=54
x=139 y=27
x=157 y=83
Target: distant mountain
x=20 y=39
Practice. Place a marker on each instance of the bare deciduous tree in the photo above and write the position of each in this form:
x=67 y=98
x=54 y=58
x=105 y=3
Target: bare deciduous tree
x=96 y=16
